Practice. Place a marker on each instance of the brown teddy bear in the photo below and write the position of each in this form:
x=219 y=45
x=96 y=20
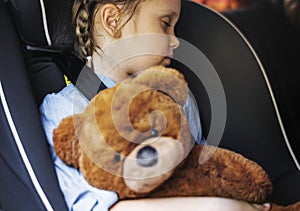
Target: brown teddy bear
x=134 y=139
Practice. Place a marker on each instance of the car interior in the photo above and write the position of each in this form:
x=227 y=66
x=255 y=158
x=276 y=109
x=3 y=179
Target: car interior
x=253 y=50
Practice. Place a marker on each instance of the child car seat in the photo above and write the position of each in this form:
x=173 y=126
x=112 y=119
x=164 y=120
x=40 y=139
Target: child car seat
x=248 y=130
x=254 y=125
x=27 y=176
x=276 y=41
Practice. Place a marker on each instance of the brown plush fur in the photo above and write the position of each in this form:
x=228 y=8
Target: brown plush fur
x=104 y=141
x=67 y=148
x=293 y=207
x=225 y=173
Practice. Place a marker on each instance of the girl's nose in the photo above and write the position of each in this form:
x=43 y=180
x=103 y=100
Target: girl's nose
x=174 y=42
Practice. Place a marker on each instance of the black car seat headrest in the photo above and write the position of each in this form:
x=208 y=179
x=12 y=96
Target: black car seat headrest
x=39 y=23
x=45 y=30
x=30 y=14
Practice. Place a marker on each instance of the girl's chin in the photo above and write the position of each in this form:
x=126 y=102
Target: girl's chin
x=165 y=61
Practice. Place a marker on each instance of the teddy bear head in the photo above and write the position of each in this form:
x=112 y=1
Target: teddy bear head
x=131 y=137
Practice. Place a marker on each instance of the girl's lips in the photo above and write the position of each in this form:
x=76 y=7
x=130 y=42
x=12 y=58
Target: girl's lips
x=167 y=61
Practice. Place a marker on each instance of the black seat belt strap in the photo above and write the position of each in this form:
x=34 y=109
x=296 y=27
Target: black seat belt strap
x=88 y=83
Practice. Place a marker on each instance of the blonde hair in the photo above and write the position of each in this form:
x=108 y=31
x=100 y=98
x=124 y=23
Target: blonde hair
x=83 y=14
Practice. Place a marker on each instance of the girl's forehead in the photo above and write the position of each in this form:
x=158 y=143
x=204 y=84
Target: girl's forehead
x=163 y=4
x=172 y=7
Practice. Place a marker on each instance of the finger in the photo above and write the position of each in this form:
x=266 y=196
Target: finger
x=262 y=207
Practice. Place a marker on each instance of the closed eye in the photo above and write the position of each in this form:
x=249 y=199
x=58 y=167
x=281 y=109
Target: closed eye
x=167 y=23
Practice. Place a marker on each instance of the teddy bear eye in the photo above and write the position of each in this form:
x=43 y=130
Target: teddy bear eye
x=154 y=133
x=133 y=76
x=117 y=157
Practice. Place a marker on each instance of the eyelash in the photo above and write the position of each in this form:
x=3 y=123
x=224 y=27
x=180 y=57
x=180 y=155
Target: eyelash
x=167 y=23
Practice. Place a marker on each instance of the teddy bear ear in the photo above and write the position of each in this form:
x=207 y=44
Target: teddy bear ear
x=167 y=80
x=65 y=141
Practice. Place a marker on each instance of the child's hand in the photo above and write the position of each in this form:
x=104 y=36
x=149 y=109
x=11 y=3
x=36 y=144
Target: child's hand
x=264 y=207
x=189 y=203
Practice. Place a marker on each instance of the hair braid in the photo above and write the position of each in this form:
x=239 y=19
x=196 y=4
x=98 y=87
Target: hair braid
x=83 y=27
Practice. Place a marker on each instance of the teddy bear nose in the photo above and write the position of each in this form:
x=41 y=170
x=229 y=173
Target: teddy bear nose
x=147 y=156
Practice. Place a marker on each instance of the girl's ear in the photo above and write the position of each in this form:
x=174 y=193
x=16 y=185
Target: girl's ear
x=109 y=16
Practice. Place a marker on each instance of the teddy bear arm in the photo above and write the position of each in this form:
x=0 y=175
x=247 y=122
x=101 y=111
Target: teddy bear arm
x=293 y=207
x=224 y=174
x=65 y=141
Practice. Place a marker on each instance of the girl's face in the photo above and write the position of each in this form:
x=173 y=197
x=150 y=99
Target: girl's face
x=155 y=19
x=148 y=38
